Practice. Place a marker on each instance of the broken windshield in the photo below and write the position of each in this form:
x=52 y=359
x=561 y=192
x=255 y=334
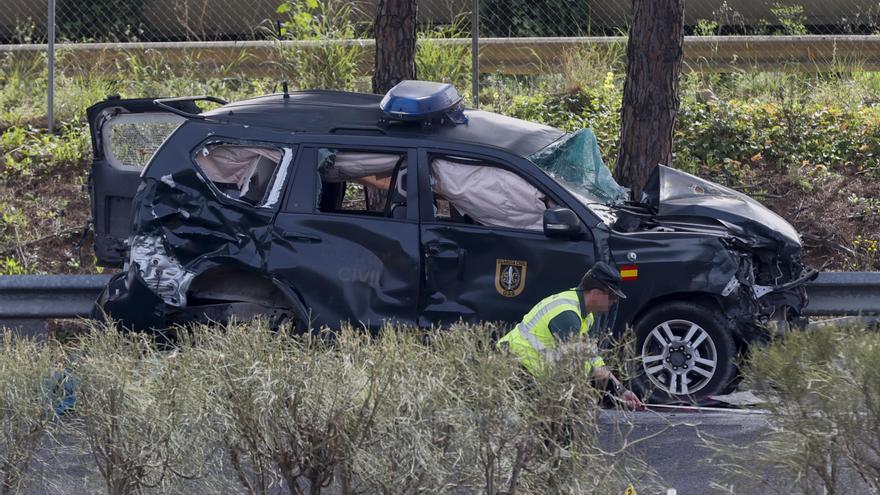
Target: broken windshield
x=574 y=161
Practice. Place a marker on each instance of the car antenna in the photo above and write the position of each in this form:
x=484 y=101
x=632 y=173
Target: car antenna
x=284 y=88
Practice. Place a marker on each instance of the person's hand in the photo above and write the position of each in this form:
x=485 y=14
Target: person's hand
x=632 y=400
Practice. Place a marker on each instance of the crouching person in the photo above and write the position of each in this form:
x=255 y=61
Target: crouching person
x=555 y=325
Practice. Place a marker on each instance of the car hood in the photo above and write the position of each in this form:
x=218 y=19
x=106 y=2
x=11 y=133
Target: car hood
x=673 y=193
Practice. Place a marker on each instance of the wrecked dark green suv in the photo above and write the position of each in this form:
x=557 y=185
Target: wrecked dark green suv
x=320 y=207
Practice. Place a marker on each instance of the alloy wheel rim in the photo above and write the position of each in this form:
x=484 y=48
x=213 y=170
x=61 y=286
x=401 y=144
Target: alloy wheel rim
x=679 y=357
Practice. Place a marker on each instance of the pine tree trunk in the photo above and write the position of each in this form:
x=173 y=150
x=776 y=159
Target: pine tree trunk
x=650 y=91
x=395 y=58
x=395 y=43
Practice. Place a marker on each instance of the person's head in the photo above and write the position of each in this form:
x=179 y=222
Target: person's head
x=600 y=287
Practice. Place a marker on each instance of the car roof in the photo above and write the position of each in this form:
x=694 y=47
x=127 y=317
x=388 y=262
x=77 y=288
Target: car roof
x=340 y=111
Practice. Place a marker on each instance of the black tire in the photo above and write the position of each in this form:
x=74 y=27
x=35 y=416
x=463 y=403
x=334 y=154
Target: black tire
x=695 y=362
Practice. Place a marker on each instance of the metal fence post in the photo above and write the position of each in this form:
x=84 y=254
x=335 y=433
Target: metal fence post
x=51 y=90
x=475 y=52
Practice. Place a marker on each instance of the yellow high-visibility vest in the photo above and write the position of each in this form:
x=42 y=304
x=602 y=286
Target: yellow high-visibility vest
x=531 y=340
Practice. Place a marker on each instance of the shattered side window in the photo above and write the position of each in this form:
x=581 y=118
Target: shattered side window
x=363 y=182
x=132 y=139
x=574 y=161
x=245 y=172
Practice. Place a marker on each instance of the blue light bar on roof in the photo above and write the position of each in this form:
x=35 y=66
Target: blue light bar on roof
x=420 y=101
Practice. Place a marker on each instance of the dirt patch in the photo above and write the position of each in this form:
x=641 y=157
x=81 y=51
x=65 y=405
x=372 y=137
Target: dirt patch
x=44 y=219
x=831 y=217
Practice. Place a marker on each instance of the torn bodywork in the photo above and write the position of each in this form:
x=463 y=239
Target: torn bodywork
x=733 y=250
x=192 y=257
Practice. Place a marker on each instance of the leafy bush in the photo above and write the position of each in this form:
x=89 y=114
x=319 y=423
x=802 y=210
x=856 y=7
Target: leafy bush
x=320 y=65
x=782 y=135
x=823 y=396
x=437 y=61
x=713 y=133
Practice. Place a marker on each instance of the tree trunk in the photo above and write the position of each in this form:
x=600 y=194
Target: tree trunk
x=395 y=57
x=650 y=92
x=395 y=43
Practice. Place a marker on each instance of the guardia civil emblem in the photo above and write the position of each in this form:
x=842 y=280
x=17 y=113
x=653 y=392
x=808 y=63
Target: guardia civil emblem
x=510 y=277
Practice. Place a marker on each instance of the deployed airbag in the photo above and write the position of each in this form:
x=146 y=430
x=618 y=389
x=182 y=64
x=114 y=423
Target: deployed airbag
x=489 y=195
x=229 y=164
x=349 y=165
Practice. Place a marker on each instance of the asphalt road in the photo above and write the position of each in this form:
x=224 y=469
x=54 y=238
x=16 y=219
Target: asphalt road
x=671 y=443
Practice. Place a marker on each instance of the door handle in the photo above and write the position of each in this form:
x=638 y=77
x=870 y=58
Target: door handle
x=300 y=237
x=447 y=252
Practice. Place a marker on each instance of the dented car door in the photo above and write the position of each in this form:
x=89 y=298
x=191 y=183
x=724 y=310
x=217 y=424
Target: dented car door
x=345 y=261
x=487 y=258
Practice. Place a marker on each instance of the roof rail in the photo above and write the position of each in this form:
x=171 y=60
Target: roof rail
x=166 y=103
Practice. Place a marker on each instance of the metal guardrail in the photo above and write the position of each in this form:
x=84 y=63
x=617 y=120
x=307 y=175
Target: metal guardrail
x=39 y=297
x=809 y=53
x=844 y=294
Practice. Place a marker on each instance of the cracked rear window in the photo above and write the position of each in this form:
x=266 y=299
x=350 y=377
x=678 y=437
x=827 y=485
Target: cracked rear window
x=133 y=138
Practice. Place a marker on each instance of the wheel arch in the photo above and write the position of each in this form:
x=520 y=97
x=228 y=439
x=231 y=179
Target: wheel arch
x=703 y=298
x=247 y=285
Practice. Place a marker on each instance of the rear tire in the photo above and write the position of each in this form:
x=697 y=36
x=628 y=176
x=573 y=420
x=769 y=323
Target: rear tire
x=685 y=353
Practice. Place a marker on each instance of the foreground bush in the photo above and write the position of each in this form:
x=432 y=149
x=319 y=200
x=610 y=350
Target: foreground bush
x=139 y=413
x=248 y=409
x=823 y=395
x=30 y=389
x=399 y=413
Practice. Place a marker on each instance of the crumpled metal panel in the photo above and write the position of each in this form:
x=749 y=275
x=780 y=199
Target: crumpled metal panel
x=196 y=225
x=160 y=271
x=700 y=264
x=677 y=193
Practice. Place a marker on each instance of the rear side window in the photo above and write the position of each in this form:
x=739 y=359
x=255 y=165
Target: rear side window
x=250 y=173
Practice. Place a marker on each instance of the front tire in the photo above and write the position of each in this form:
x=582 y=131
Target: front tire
x=685 y=353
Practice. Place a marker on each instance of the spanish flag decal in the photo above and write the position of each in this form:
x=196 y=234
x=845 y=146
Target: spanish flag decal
x=629 y=272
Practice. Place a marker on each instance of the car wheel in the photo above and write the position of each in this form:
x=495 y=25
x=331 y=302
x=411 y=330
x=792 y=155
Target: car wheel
x=685 y=353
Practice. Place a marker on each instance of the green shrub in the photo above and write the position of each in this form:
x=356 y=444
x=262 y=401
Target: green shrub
x=321 y=65
x=822 y=391
x=783 y=135
x=438 y=61
x=791 y=18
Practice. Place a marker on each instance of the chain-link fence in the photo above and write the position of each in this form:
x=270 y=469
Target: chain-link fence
x=328 y=43
x=24 y=21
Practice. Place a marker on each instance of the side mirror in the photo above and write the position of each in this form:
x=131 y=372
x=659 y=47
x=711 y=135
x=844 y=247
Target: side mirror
x=562 y=222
